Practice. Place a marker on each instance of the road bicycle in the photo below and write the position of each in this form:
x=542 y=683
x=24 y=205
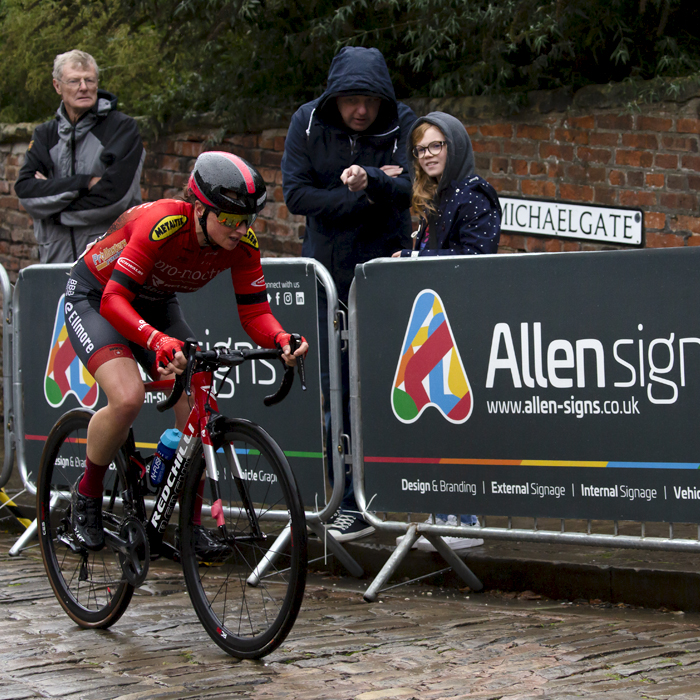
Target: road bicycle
x=248 y=588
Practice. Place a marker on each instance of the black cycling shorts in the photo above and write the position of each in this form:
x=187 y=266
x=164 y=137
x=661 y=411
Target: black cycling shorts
x=96 y=341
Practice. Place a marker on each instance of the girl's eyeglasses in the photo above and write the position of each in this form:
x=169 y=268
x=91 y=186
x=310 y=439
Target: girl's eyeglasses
x=433 y=148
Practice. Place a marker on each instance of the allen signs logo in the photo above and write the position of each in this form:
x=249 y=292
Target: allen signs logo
x=430 y=371
x=65 y=373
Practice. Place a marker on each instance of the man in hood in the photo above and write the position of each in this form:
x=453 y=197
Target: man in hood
x=344 y=168
x=83 y=168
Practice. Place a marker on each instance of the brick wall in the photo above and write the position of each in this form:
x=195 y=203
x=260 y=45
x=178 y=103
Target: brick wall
x=644 y=160
x=17 y=245
x=583 y=147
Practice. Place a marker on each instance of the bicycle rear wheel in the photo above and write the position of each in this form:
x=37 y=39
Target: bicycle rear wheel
x=88 y=585
x=246 y=599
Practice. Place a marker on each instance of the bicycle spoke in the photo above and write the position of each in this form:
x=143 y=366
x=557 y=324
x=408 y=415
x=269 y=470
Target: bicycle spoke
x=249 y=620
x=87 y=584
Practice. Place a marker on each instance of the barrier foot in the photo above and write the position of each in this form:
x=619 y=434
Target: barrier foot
x=24 y=539
x=337 y=549
x=271 y=555
x=30 y=533
x=458 y=566
x=392 y=564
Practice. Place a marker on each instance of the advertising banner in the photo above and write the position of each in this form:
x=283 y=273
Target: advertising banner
x=55 y=381
x=556 y=385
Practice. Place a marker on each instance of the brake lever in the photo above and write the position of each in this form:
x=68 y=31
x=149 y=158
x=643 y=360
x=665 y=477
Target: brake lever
x=190 y=349
x=294 y=343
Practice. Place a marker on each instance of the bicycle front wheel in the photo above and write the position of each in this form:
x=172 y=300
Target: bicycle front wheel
x=246 y=586
x=88 y=585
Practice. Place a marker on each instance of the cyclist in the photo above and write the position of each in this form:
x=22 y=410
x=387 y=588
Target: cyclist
x=121 y=306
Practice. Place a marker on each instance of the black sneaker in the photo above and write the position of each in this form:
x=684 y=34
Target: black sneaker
x=86 y=519
x=345 y=526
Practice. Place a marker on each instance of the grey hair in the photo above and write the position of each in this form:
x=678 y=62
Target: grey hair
x=81 y=58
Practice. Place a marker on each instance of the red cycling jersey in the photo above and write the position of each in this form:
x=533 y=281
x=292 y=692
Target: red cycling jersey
x=151 y=251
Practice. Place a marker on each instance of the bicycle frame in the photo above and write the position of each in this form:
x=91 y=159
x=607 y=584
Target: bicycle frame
x=198 y=429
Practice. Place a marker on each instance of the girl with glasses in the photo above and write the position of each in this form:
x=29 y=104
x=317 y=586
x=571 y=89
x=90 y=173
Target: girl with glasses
x=459 y=211
x=459 y=215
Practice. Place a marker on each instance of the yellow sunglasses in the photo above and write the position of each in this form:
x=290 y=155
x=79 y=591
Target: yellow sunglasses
x=232 y=220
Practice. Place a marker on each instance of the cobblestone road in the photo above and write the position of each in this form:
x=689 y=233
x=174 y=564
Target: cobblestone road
x=413 y=643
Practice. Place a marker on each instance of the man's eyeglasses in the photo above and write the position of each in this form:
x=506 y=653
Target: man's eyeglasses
x=74 y=83
x=433 y=148
x=232 y=220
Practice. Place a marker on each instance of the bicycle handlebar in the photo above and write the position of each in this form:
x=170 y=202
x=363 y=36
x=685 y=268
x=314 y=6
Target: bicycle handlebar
x=225 y=357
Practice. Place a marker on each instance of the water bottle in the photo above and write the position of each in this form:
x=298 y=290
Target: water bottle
x=165 y=452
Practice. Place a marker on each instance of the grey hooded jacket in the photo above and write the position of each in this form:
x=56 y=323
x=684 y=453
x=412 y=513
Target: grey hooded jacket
x=67 y=214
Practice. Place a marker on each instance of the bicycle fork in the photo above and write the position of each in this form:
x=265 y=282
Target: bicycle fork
x=282 y=540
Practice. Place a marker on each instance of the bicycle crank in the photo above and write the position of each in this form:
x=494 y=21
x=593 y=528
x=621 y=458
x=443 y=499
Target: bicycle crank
x=134 y=551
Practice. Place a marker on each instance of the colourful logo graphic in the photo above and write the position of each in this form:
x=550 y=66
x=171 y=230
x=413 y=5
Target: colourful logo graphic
x=430 y=370
x=65 y=373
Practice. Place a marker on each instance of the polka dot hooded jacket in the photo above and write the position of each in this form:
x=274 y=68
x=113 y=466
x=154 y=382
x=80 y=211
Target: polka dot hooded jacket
x=468 y=219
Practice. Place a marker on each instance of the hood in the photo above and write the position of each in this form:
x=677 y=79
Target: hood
x=356 y=70
x=460 y=155
x=106 y=103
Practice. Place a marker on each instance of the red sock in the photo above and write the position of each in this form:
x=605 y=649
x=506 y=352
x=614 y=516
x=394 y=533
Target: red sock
x=91 y=483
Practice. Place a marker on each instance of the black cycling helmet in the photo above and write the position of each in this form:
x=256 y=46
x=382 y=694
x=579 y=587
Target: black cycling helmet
x=225 y=182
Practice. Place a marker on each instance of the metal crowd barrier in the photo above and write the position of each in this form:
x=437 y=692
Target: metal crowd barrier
x=7 y=377
x=35 y=297
x=636 y=459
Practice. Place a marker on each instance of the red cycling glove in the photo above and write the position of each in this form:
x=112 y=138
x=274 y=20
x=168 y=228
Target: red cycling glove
x=165 y=348
x=282 y=339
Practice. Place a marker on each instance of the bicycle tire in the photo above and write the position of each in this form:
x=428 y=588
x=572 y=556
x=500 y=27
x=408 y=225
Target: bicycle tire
x=247 y=621
x=88 y=585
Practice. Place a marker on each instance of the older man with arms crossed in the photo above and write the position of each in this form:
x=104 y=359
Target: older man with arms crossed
x=82 y=169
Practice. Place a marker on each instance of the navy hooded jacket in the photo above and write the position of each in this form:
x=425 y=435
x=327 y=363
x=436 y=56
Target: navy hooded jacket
x=344 y=228
x=468 y=218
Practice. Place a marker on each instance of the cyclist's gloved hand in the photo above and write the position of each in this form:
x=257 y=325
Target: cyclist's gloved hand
x=165 y=348
x=282 y=342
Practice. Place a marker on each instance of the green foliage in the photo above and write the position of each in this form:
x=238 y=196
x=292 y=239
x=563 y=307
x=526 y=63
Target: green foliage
x=129 y=55
x=275 y=54
x=467 y=47
x=252 y=59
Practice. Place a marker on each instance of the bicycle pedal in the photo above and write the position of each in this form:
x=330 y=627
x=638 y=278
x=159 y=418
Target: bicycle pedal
x=70 y=542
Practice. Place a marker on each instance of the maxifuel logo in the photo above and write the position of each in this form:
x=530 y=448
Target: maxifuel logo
x=430 y=370
x=65 y=373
